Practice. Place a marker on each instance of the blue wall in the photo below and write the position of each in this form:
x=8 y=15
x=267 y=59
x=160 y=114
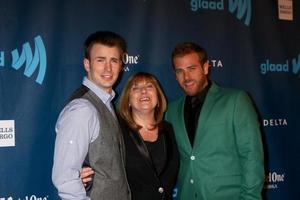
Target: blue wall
x=41 y=52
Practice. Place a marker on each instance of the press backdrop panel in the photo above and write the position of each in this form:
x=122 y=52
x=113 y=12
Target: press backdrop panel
x=41 y=56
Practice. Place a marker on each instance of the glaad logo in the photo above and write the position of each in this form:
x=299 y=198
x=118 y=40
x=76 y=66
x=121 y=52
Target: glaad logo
x=242 y=8
x=130 y=60
x=207 y=5
x=267 y=66
x=32 y=61
x=7 y=133
x=2 y=61
x=272 y=180
x=175 y=191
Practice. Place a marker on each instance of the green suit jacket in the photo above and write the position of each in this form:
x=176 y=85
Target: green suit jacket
x=226 y=160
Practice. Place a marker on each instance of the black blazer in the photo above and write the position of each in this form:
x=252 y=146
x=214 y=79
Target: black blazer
x=143 y=180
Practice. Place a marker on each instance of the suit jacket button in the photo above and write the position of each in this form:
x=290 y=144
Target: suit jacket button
x=160 y=190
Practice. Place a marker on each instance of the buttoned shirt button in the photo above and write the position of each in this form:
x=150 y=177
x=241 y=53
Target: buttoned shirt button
x=160 y=190
x=192 y=157
x=192 y=181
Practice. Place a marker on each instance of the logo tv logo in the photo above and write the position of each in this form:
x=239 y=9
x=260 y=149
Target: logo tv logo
x=242 y=8
x=31 y=60
x=292 y=65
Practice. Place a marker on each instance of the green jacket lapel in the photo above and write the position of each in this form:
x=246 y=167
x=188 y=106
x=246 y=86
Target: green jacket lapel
x=206 y=110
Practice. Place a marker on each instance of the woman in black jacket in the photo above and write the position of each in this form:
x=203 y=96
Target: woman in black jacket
x=152 y=159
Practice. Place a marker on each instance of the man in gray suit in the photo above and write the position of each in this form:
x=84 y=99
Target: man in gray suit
x=87 y=128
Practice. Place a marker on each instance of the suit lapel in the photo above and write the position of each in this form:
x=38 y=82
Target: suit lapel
x=142 y=148
x=184 y=136
x=209 y=103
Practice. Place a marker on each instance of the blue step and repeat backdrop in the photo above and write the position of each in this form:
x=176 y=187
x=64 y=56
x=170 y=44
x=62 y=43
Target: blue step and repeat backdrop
x=253 y=45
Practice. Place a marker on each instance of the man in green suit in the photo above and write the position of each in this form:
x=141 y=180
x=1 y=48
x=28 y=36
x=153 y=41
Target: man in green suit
x=217 y=131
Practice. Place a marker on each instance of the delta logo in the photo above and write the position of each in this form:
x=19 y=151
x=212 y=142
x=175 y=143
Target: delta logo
x=275 y=122
x=242 y=9
x=36 y=61
x=216 y=63
x=289 y=66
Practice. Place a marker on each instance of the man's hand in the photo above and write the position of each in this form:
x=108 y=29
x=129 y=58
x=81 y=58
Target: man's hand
x=86 y=175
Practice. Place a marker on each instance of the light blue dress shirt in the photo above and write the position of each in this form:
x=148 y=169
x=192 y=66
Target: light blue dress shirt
x=77 y=126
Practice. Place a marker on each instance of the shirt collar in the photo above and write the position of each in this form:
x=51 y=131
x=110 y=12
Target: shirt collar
x=102 y=94
x=200 y=97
